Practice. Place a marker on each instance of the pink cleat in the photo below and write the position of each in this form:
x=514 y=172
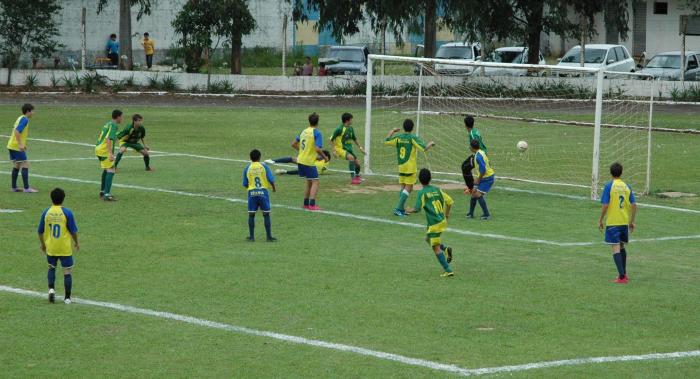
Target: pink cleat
x=356 y=180
x=30 y=190
x=314 y=208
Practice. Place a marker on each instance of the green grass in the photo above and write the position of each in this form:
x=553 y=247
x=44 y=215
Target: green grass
x=336 y=279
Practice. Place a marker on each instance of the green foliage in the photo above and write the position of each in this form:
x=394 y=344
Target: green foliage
x=223 y=86
x=144 y=6
x=169 y=83
x=687 y=93
x=153 y=82
x=93 y=81
x=55 y=81
x=73 y=83
x=194 y=89
x=31 y=80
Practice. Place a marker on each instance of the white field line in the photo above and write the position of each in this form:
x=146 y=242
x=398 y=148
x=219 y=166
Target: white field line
x=88 y=158
x=361 y=350
x=10 y=210
x=571 y=197
x=359 y=217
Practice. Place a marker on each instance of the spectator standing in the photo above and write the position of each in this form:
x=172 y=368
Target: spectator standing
x=322 y=71
x=113 y=49
x=308 y=69
x=148 y=48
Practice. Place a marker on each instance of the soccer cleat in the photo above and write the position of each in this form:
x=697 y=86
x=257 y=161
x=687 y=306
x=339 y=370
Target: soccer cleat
x=52 y=295
x=280 y=171
x=306 y=207
x=102 y=194
x=447 y=274
x=449 y=254
x=484 y=218
x=30 y=190
x=269 y=161
x=16 y=190
x=622 y=280
x=250 y=239
x=272 y=239
x=150 y=169
x=469 y=215
x=356 y=180
x=399 y=212
x=67 y=300
x=108 y=197
x=314 y=208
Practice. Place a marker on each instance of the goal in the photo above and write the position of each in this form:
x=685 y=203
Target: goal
x=576 y=121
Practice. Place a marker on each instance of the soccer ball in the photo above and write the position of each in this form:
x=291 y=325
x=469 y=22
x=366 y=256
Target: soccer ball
x=522 y=146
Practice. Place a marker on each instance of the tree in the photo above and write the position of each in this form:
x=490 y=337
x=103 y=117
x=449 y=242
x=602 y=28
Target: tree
x=195 y=25
x=235 y=22
x=144 y=8
x=27 y=26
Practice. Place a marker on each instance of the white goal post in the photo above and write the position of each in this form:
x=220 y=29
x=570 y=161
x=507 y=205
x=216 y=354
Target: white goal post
x=576 y=120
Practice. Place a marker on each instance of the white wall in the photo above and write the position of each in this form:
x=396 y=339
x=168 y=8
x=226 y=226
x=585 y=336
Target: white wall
x=662 y=30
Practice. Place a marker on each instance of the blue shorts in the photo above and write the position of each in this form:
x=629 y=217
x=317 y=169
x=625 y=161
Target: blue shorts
x=616 y=234
x=485 y=185
x=66 y=262
x=258 y=199
x=308 y=172
x=18 y=156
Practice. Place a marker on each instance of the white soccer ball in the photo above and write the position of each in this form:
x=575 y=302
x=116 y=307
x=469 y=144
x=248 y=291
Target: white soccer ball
x=522 y=145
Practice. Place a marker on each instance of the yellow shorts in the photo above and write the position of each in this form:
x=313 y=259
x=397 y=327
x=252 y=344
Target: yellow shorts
x=435 y=232
x=407 y=179
x=105 y=163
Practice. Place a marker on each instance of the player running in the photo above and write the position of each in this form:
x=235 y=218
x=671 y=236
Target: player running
x=619 y=209
x=321 y=164
x=133 y=136
x=437 y=205
x=257 y=179
x=483 y=182
x=309 y=144
x=104 y=150
x=57 y=228
x=343 y=137
x=17 y=146
x=406 y=145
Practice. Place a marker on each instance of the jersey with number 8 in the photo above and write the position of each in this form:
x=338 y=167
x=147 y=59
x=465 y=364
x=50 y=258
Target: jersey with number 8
x=257 y=176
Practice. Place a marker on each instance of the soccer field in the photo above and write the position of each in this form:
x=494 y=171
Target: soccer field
x=166 y=285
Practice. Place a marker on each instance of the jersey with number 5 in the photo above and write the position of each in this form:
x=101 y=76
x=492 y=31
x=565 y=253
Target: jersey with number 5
x=309 y=140
x=56 y=224
x=257 y=176
x=619 y=197
x=406 y=146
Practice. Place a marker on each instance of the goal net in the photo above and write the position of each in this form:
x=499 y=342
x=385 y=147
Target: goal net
x=576 y=121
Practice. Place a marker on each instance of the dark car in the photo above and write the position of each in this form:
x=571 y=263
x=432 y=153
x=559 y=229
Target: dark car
x=346 y=60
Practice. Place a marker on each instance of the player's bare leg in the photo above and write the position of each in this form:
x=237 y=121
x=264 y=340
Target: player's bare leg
x=313 y=190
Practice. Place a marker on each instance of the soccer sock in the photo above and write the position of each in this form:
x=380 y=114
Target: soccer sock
x=147 y=160
x=472 y=206
x=51 y=276
x=268 y=225
x=357 y=169
x=617 y=257
x=443 y=247
x=403 y=196
x=68 y=284
x=623 y=253
x=251 y=225
x=312 y=202
x=119 y=158
x=108 y=182
x=306 y=202
x=25 y=177
x=15 y=175
x=104 y=177
x=351 y=165
x=443 y=261
x=482 y=203
x=283 y=160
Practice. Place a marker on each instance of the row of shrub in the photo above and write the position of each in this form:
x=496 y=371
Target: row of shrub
x=91 y=82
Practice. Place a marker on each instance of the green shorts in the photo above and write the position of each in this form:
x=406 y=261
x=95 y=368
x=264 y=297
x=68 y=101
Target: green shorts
x=135 y=146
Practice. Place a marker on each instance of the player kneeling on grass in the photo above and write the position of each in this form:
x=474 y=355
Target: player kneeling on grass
x=436 y=204
x=57 y=228
x=257 y=179
x=130 y=138
x=618 y=218
x=483 y=182
x=406 y=145
x=343 y=137
x=321 y=164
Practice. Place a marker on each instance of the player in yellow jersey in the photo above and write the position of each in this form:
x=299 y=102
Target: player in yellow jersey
x=257 y=179
x=619 y=210
x=104 y=150
x=17 y=145
x=309 y=143
x=321 y=164
x=483 y=182
x=57 y=229
x=406 y=144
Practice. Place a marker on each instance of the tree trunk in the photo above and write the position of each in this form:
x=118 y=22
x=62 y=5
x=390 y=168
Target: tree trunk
x=236 y=43
x=430 y=29
x=125 y=35
x=534 y=29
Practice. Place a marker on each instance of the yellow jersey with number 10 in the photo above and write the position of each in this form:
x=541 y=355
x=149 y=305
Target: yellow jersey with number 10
x=56 y=225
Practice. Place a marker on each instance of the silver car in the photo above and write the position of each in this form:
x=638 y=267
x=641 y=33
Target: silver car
x=610 y=57
x=667 y=66
x=513 y=55
x=349 y=60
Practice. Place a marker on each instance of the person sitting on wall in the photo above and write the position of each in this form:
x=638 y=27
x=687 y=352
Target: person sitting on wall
x=308 y=68
x=322 y=71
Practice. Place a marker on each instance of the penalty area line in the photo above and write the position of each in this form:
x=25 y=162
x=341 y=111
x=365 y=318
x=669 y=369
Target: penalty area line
x=450 y=368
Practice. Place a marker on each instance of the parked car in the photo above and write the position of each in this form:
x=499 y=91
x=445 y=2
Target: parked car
x=348 y=60
x=468 y=52
x=514 y=55
x=611 y=57
x=667 y=66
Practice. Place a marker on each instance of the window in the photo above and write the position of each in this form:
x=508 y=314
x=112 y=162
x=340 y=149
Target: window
x=625 y=54
x=660 y=7
x=692 y=63
x=611 y=56
x=620 y=53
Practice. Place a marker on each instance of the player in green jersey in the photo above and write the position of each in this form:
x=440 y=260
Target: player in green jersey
x=133 y=136
x=104 y=151
x=342 y=139
x=474 y=133
x=436 y=204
